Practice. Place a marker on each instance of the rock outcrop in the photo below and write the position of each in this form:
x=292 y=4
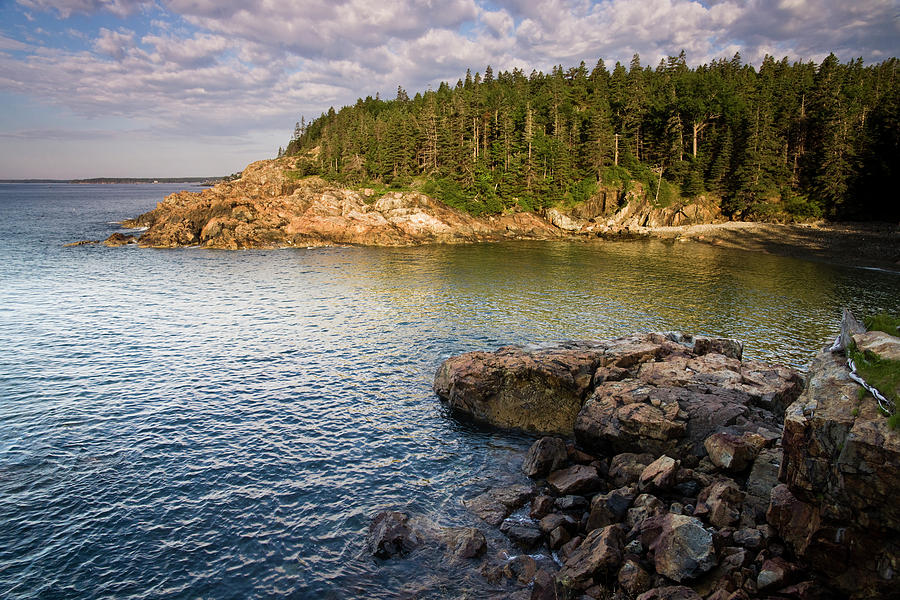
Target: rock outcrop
x=676 y=454
x=656 y=393
x=269 y=207
x=671 y=488
x=839 y=510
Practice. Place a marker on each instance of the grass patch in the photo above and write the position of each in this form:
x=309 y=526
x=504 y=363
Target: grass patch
x=883 y=322
x=882 y=374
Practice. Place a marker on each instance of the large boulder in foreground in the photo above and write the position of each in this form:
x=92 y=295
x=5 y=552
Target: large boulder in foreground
x=656 y=393
x=839 y=509
x=537 y=390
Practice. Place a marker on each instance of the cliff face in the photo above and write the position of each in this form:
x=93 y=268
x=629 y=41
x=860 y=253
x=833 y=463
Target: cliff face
x=268 y=208
x=838 y=508
x=611 y=211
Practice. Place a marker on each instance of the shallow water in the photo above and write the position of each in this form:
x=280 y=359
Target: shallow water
x=194 y=423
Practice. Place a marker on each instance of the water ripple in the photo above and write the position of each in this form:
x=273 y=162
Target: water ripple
x=210 y=424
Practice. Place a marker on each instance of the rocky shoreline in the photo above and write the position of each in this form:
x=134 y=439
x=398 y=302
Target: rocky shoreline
x=670 y=467
x=269 y=206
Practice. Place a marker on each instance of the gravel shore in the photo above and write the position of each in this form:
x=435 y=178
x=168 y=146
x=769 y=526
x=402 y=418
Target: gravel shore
x=869 y=245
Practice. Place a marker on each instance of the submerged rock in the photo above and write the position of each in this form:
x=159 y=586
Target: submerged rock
x=120 y=239
x=390 y=534
x=495 y=505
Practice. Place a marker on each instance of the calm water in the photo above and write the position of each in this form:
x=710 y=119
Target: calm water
x=208 y=424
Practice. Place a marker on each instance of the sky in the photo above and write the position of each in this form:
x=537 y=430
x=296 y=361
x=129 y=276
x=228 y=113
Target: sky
x=172 y=88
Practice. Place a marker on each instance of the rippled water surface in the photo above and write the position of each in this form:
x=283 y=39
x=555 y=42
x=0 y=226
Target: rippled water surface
x=193 y=423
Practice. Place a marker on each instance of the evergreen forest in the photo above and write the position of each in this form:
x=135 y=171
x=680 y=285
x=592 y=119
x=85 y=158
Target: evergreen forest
x=786 y=141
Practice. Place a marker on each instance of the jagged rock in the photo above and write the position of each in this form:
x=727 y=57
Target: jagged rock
x=849 y=327
x=839 y=512
x=660 y=474
x=569 y=548
x=538 y=390
x=644 y=507
x=521 y=568
x=575 y=479
x=633 y=578
x=762 y=480
x=465 y=542
x=544 y=586
x=495 y=505
x=541 y=507
x=879 y=343
x=554 y=520
x=81 y=243
x=720 y=503
x=775 y=573
x=673 y=405
x=682 y=548
x=545 y=455
x=607 y=509
x=563 y=221
x=796 y=521
x=639 y=393
x=672 y=592
x=731 y=452
x=524 y=534
x=558 y=537
x=390 y=534
x=626 y=468
x=727 y=347
x=749 y=538
x=269 y=207
x=571 y=503
x=119 y=239
x=600 y=552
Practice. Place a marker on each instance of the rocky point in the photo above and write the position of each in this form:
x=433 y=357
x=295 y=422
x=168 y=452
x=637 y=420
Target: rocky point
x=271 y=206
x=669 y=467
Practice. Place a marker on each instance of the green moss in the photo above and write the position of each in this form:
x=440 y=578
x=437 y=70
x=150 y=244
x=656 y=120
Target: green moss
x=894 y=421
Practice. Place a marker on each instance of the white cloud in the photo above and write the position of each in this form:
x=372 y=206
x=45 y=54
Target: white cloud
x=208 y=67
x=114 y=43
x=11 y=44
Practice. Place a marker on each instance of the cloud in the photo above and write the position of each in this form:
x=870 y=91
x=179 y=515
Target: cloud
x=194 y=68
x=325 y=27
x=66 y=8
x=114 y=43
x=11 y=44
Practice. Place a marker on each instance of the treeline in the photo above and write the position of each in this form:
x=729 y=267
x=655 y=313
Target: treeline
x=789 y=139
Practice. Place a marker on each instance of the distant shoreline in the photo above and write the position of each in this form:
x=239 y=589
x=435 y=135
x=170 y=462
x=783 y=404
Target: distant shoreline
x=866 y=244
x=121 y=180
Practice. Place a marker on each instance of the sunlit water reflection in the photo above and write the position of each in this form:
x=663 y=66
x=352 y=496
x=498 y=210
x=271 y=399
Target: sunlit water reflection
x=195 y=423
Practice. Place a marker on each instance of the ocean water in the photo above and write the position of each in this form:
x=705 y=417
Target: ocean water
x=207 y=424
